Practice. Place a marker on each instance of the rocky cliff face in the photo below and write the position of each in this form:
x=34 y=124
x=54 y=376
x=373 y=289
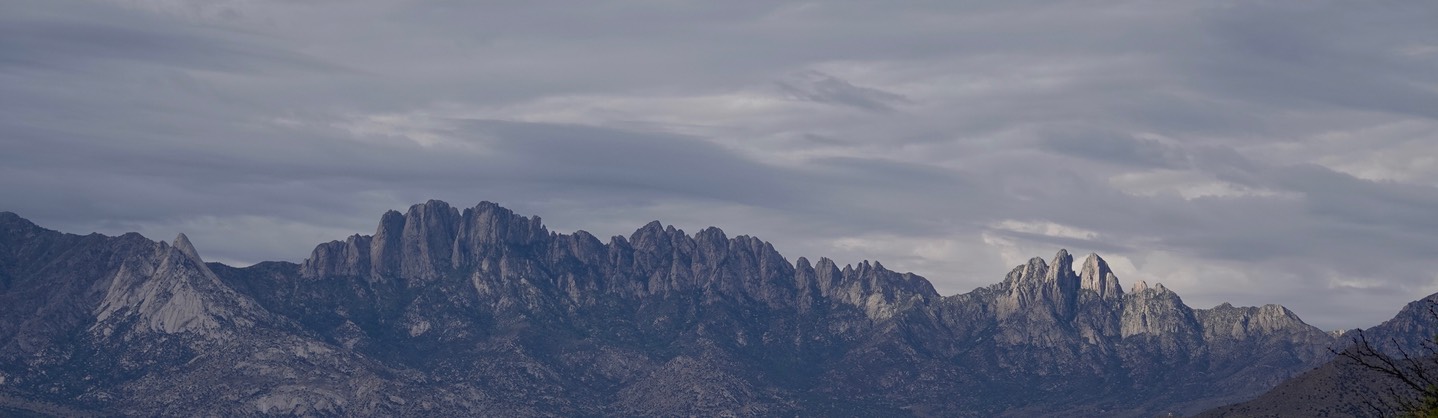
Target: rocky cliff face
x=445 y=311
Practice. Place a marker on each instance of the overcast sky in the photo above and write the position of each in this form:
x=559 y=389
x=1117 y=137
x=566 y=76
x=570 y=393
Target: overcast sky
x=1250 y=151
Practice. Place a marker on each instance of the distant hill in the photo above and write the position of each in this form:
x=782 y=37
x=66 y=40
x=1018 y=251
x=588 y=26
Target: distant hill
x=1342 y=388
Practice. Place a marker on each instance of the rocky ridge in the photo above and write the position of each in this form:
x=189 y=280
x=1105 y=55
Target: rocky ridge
x=449 y=311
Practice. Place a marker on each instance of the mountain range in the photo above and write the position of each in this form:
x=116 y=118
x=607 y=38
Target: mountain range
x=482 y=312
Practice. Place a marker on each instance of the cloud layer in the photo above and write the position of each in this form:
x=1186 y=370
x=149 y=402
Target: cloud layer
x=1251 y=152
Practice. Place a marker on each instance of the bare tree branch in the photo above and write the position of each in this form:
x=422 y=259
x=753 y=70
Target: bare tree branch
x=1416 y=394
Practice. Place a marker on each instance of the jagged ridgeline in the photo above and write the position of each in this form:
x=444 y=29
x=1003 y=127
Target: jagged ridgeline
x=482 y=312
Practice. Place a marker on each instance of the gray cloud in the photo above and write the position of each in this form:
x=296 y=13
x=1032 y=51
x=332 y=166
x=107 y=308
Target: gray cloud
x=1252 y=152
x=1113 y=147
x=823 y=88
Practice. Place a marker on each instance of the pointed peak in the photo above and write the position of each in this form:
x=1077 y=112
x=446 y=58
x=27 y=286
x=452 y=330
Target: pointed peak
x=1139 y=286
x=1035 y=268
x=187 y=248
x=651 y=230
x=1061 y=266
x=1096 y=276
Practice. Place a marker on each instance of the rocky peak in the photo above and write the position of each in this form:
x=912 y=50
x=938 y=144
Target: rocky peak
x=711 y=238
x=386 y=247
x=348 y=258
x=183 y=245
x=487 y=230
x=1156 y=311
x=433 y=237
x=1142 y=286
x=827 y=275
x=655 y=237
x=428 y=243
x=879 y=292
x=1061 y=268
x=171 y=291
x=1028 y=272
x=583 y=245
x=1061 y=274
x=1048 y=287
x=1226 y=321
x=1276 y=312
x=1097 y=276
x=803 y=264
x=1099 y=308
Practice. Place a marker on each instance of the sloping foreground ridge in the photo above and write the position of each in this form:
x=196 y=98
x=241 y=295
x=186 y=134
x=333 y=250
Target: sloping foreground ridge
x=482 y=312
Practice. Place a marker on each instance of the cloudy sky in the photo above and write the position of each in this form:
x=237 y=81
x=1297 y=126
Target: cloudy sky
x=1248 y=151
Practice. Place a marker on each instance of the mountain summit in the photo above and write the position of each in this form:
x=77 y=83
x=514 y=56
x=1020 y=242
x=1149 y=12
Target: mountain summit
x=481 y=311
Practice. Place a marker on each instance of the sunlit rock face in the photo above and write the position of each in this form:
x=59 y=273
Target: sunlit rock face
x=481 y=311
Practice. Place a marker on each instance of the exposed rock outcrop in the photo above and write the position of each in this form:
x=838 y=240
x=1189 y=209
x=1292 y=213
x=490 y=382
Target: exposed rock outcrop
x=171 y=292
